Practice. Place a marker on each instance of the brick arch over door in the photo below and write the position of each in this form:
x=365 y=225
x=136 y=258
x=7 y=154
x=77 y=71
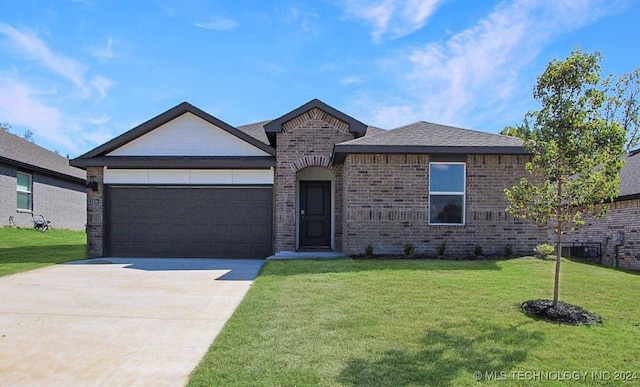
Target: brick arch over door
x=313 y=161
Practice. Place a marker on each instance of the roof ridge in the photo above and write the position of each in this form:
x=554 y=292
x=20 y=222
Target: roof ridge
x=453 y=127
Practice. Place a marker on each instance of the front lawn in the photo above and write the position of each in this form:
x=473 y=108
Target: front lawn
x=424 y=322
x=26 y=249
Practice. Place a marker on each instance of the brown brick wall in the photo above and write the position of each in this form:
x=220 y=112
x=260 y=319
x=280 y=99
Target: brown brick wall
x=306 y=140
x=387 y=205
x=623 y=216
x=95 y=212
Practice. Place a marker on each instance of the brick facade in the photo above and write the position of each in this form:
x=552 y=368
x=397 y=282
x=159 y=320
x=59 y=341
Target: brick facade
x=623 y=216
x=387 y=205
x=305 y=141
x=95 y=212
x=60 y=201
x=382 y=200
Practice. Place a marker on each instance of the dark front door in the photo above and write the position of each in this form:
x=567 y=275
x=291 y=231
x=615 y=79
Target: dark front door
x=315 y=214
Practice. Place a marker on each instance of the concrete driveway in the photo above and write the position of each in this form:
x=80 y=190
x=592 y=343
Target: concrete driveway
x=116 y=321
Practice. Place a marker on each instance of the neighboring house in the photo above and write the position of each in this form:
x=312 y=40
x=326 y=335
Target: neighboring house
x=614 y=240
x=186 y=184
x=35 y=181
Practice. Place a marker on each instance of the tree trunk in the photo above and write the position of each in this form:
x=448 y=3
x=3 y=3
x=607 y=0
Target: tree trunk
x=556 y=277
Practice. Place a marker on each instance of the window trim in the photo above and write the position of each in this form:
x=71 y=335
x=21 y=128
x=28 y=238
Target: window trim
x=29 y=192
x=462 y=193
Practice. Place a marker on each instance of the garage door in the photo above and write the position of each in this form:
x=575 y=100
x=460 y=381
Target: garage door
x=190 y=221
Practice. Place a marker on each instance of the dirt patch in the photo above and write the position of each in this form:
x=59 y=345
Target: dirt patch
x=563 y=313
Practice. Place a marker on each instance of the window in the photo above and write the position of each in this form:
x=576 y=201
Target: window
x=24 y=185
x=446 y=193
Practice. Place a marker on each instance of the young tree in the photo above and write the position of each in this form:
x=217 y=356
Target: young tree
x=576 y=152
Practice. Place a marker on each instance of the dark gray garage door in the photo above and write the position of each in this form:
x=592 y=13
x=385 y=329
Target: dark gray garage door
x=189 y=222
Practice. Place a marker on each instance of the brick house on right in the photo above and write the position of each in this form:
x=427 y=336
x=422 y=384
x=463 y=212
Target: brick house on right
x=616 y=234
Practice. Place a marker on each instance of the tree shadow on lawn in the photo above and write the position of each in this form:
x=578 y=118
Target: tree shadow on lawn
x=43 y=254
x=446 y=353
x=347 y=265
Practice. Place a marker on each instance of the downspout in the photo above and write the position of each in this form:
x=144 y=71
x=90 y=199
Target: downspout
x=615 y=256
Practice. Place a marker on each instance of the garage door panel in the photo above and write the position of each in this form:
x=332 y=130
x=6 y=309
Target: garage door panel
x=189 y=222
x=257 y=248
x=262 y=233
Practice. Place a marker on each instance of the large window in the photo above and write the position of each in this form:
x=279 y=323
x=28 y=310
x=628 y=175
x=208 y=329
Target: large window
x=446 y=193
x=24 y=185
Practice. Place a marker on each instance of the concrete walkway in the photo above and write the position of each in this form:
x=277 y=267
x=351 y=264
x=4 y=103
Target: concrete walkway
x=116 y=321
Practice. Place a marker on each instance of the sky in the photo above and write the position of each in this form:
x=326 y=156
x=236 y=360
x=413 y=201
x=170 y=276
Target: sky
x=77 y=73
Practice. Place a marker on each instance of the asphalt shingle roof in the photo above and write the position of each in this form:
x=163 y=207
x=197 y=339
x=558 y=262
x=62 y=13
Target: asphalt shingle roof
x=256 y=130
x=630 y=174
x=434 y=135
x=14 y=148
x=372 y=131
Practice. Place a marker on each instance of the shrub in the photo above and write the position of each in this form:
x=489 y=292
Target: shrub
x=477 y=251
x=508 y=250
x=368 y=251
x=543 y=250
x=441 y=248
x=409 y=249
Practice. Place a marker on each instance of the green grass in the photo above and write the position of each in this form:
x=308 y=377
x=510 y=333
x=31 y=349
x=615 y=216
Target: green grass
x=27 y=249
x=422 y=322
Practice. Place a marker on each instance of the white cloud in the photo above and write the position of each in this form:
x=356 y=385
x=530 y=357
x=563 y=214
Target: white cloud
x=351 y=80
x=21 y=106
x=105 y=52
x=218 y=24
x=33 y=48
x=99 y=121
x=102 y=85
x=478 y=70
x=302 y=17
x=392 y=19
x=25 y=106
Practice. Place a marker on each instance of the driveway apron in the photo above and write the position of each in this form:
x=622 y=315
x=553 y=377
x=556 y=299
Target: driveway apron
x=116 y=321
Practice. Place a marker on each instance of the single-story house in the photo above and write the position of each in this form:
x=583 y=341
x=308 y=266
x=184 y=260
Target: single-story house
x=35 y=181
x=614 y=239
x=186 y=184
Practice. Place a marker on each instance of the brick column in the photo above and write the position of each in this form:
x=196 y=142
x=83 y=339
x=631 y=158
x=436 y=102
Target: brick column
x=95 y=212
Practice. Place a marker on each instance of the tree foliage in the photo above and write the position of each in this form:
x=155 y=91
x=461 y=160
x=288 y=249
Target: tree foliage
x=623 y=104
x=28 y=135
x=576 y=147
x=5 y=127
x=522 y=131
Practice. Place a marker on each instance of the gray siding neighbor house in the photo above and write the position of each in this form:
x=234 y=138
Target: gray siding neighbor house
x=36 y=181
x=186 y=184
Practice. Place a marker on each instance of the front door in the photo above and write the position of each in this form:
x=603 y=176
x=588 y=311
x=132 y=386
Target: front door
x=315 y=214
